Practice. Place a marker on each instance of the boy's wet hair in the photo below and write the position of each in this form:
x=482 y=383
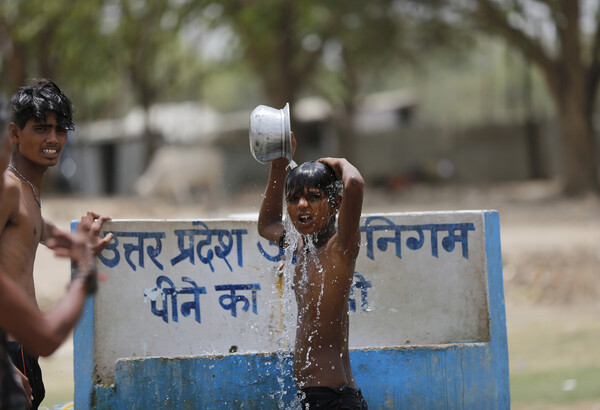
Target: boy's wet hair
x=3 y=114
x=313 y=174
x=35 y=100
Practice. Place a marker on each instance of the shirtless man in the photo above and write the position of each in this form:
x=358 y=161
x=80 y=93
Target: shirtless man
x=323 y=274
x=41 y=119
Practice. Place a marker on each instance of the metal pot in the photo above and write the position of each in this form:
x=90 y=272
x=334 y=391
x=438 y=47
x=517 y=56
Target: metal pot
x=270 y=133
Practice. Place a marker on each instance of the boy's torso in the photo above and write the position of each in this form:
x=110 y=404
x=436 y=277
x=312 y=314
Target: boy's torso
x=19 y=240
x=322 y=282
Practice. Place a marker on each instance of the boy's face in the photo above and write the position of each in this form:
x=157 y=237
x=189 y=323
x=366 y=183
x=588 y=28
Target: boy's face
x=40 y=141
x=309 y=210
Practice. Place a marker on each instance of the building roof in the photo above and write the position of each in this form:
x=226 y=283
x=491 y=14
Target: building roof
x=178 y=123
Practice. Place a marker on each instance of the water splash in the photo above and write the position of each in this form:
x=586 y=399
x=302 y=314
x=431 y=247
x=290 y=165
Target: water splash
x=310 y=256
x=284 y=352
x=291 y=258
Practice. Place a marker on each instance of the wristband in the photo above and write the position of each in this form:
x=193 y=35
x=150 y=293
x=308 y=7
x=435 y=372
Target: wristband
x=90 y=278
x=281 y=241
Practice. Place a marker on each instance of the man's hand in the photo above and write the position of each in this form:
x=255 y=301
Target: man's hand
x=25 y=385
x=91 y=225
x=78 y=247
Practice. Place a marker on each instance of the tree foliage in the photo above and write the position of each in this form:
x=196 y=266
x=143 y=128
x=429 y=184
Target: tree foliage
x=56 y=39
x=108 y=55
x=562 y=39
x=329 y=48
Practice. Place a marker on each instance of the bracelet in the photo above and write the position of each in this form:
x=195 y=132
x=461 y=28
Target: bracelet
x=281 y=241
x=90 y=278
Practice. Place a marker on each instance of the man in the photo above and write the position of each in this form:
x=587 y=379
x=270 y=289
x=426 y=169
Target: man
x=322 y=277
x=41 y=118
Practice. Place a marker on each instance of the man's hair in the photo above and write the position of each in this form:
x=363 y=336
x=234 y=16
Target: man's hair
x=313 y=174
x=35 y=100
x=3 y=115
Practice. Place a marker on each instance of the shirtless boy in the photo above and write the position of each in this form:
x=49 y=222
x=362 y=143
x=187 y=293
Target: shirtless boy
x=41 y=118
x=323 y=275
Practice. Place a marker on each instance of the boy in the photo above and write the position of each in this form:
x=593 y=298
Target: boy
x=41 y=118
x=325 y=260
x=15 y=391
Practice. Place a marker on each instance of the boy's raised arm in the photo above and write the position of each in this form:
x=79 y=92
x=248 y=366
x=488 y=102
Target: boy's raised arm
x=270 y=217
x=352 y=199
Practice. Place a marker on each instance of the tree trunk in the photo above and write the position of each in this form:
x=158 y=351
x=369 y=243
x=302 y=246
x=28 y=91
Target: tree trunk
x=579 y=146
x=17 y=69
x=347 y=135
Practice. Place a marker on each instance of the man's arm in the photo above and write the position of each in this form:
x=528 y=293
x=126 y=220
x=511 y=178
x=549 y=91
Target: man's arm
x=42 y=334
x=48 y=230
x=352 y=200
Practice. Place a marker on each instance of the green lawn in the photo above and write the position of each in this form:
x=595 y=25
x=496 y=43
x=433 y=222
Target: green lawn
x=560 y=386
x=554 y=356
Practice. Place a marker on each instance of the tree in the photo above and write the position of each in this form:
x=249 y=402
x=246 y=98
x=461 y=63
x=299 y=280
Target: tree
x=288 y=45
x=271 y=38
x=331 y=48
x=145 y=34
x=38 y=39
x=378 y=38
x=107 y=55
x=562 y=39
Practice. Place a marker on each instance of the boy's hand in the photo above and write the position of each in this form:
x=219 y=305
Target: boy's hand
x=283 y=161
x=78 y=247
x=25 y=385
x=71 y=245
x=335 y=164
x=90 y=224
x=294 y=144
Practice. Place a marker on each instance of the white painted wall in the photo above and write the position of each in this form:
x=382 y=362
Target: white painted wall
x=415 y=298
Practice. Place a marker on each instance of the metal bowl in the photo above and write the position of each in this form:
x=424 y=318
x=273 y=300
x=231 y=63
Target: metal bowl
x=270 y=133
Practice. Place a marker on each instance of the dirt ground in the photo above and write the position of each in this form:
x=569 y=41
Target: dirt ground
x=550 y=251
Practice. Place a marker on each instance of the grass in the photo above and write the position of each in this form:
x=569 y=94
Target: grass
x=554 y=356
x=556 y=387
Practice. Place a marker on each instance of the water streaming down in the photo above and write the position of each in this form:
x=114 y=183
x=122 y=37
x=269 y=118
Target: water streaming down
x=286 y=341
x=290 y=259
x=309 y=255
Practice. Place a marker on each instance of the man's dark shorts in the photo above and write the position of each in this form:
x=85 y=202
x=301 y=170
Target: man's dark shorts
x=29 y=366
x=321 y=397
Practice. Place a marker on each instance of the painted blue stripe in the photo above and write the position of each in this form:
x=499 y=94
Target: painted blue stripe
x=456 y=376
x=83 y=352
x=499 y=343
